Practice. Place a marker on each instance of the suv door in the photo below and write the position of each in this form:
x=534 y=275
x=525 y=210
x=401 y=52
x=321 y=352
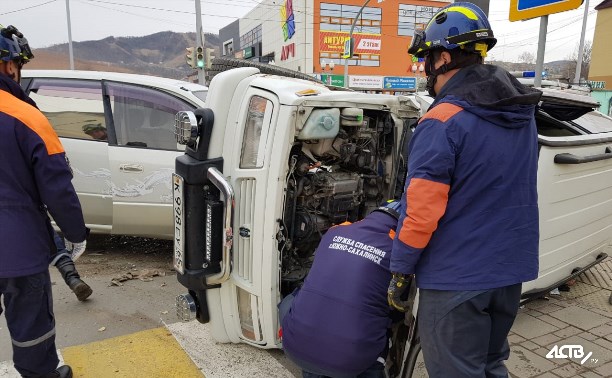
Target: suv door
x=74 y=107
x=141 y=157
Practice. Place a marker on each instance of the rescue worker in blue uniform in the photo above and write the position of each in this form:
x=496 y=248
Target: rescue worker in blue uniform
x=468 y=227
x=336 y=324
x=64 y=258
x=35 y=178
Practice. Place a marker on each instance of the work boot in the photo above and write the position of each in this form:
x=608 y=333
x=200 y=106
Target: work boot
x=66 y=267
x=63 y=371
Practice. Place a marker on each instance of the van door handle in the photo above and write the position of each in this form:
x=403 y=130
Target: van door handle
x=567 y=158
x=130 y=168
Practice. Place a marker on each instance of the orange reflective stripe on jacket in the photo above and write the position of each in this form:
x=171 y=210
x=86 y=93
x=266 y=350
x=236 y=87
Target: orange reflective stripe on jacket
x=33 y=119
x=442 y=112
x=426 y=203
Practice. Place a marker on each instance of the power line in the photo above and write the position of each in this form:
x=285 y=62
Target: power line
x=33 y=6
x=524 y=41
x=133 y=14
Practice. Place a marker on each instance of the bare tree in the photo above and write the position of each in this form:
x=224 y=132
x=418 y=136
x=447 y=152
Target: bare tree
x=586 y=60
x=526 y=61
x=527 y=57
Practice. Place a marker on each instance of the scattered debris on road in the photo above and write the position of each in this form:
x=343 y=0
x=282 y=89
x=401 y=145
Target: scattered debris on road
x=143 y=275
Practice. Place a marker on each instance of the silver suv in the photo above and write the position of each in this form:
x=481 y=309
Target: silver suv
x=118 y=132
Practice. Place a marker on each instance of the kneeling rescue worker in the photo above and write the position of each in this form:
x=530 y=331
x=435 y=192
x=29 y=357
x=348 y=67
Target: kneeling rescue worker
x=35 y=178
x=468 y=226
x=337 y=324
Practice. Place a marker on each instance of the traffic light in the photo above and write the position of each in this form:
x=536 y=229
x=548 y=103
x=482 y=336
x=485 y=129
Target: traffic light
x=190 y=56
x=348 y=48
x=209 y=57
x=200 y=57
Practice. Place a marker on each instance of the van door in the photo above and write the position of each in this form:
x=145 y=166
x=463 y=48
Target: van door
x=250 y=166
x=575 y=202
x=76 y=112
x=141 y=158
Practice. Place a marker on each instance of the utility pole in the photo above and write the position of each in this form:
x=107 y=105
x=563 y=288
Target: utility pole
x=581 y=48
x=537 y=80
x=346 y=84
x=199 y=39
x=69 y=35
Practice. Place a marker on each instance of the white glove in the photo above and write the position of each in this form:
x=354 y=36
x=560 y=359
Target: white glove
x=75 y=249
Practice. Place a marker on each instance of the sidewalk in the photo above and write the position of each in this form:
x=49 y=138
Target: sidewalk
x=581 y=318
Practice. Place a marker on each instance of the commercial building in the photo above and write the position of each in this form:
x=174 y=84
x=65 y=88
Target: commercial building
x=309 y=36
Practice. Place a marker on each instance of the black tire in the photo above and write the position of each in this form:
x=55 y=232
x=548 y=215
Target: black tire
x=223 y=64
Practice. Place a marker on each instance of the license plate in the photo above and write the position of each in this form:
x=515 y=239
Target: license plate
x=179 y=223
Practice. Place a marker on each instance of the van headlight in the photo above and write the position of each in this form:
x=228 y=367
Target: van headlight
x=185 y=127
x=185 y=307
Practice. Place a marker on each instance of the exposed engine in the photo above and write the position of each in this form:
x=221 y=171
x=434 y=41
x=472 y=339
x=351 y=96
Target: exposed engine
x=331 y=181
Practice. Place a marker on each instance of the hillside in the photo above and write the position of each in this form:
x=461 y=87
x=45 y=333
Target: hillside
x=159 y=54
x=163 y=54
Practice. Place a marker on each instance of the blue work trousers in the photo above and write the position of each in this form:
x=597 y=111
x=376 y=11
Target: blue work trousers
x=464 y=334
x=28 y=307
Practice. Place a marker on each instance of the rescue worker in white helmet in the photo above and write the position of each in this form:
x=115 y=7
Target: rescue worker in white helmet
x=468 y=228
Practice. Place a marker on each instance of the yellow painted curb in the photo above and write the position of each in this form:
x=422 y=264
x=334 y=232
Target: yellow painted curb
x=152 y=353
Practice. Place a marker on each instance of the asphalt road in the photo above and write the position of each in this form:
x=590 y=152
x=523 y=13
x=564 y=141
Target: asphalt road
x=128 y=328
x=134 y=290
x=145 y=301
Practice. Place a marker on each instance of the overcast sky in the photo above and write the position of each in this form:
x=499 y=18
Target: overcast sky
x=44 y=22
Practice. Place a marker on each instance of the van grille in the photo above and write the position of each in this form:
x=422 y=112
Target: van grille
x=245 y=209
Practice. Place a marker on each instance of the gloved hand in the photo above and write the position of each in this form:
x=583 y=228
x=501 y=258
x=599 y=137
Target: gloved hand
x=399 y=285
x=75 y=249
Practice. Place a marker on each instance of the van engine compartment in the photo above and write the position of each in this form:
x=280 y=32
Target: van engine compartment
x=331 y=181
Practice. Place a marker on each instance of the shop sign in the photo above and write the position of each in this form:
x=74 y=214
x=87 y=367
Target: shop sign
x=366 y=82
x=248 y=52
x=288 y=20
x=398 y=82
x=597 y=84
x=335 y=80
x=333 y=42
x=288 y=51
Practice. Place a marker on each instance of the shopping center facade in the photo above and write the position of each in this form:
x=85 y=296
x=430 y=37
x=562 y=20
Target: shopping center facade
x=309 y=36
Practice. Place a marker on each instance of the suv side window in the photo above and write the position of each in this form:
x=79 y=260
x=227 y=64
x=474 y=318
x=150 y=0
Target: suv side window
x=74 y=107
x=144 y=117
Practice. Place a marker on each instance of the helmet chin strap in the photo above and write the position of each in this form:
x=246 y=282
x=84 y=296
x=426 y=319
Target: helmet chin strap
x=432 y=73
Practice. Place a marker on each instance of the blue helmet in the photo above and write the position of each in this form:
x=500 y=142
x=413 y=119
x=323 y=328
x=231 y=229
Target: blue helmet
x=455 y=26
x=392 y=207
x=13 y=45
